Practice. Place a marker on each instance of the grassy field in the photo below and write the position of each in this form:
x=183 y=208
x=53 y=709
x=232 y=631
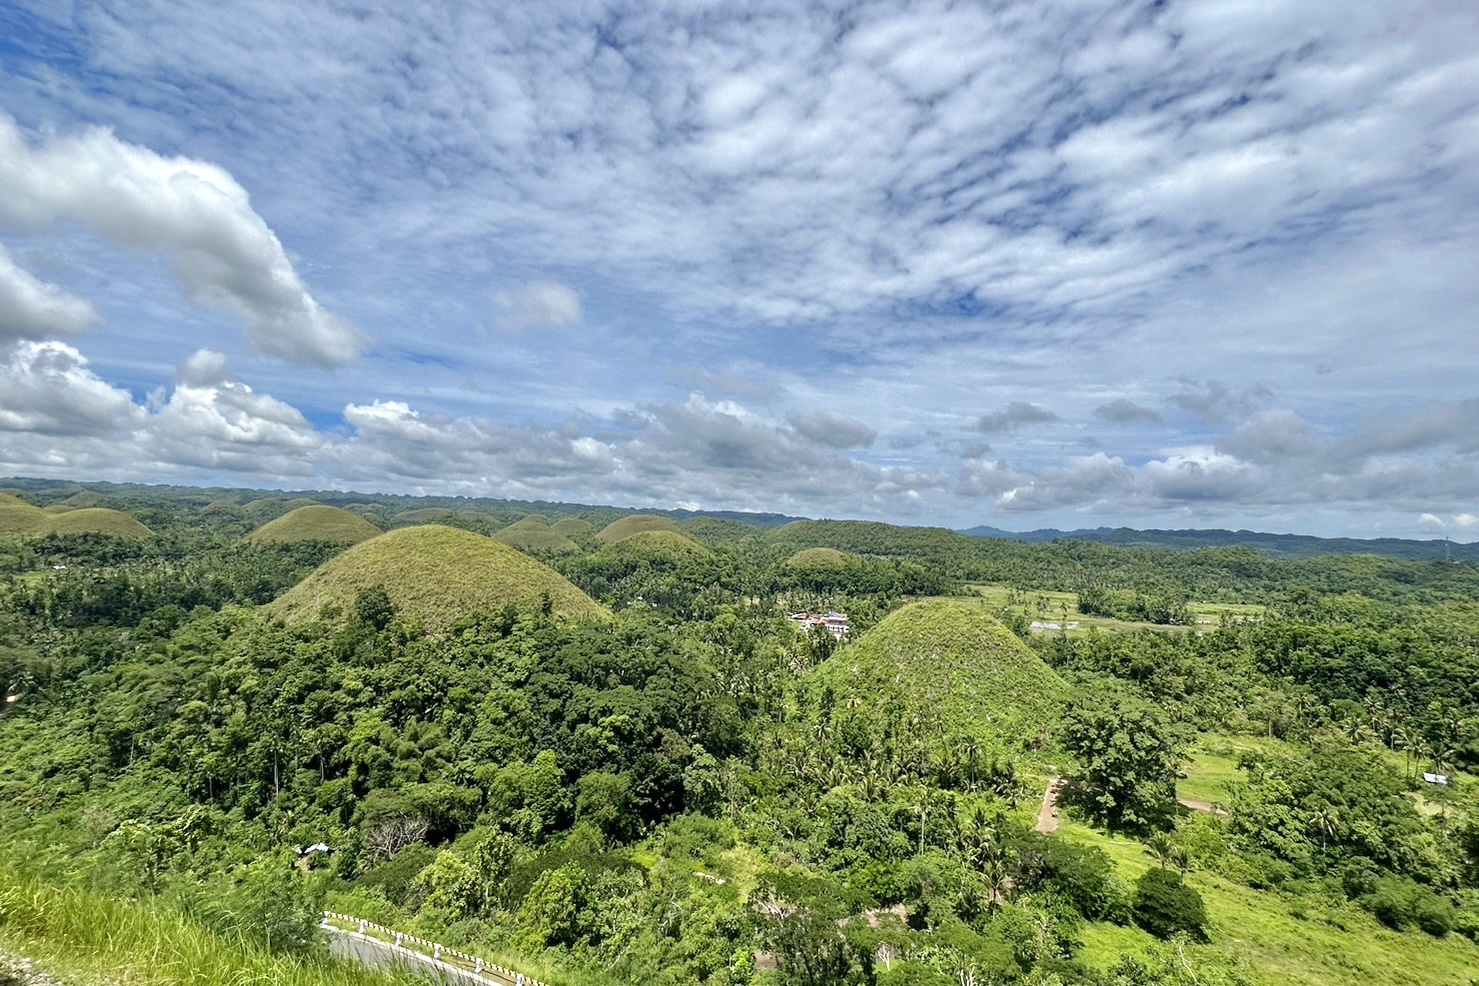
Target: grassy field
x=85 y=939
x=1276 y=940
x=1060 y=608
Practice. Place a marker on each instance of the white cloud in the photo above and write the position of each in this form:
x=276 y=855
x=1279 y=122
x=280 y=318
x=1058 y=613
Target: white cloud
x=33 y=309
x=47 y=388
x=193 y=212
x=539 y=305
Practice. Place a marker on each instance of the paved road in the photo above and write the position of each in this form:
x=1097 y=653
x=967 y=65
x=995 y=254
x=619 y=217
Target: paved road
x=375 y=954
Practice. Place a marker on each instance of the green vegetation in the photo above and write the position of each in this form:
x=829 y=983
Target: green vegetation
x=945 y=666
x=315 y=523
x=90 y=939
x=634 y=524
x=682 y=787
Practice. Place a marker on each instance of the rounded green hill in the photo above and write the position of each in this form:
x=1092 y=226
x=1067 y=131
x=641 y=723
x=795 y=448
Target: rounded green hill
x=635 y=524
x=813 y=558
x=19 y=517
x=950 y=663
x=84 y=498
x=534 y=533
x=314 y=523
x=99 y=520
x=57 y=508
x=659 y=547
x=435 y=575
x=574 y=528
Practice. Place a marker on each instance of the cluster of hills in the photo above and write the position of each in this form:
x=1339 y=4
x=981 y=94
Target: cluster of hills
x=545 y=526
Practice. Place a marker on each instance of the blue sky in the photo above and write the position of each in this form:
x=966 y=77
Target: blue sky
x=1027 y=264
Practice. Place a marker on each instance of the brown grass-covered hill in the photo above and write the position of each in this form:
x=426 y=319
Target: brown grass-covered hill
x=314 y=523
x=98 y=520
x=948 y=663
x=635 y=524
x=435 y=575
x=535 y=533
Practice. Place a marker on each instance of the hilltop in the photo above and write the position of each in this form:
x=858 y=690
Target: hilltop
x=820 y=558
x=99 y=520
x=635 y=524
x=20 y=517
x=661 y=546
x=435 y=575
x=574 y=528
x=534 y=533
x=950 y=662
x=314 y=523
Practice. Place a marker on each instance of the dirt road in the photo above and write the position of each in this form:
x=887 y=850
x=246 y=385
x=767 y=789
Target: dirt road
x=1047 y=815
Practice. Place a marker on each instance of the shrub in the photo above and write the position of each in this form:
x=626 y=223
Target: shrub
x=1401 y=903
x=1164 y=905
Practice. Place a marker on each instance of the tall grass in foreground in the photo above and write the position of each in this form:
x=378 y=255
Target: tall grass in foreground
x=88 y=936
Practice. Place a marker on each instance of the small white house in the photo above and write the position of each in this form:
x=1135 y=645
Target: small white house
x=1440 y=779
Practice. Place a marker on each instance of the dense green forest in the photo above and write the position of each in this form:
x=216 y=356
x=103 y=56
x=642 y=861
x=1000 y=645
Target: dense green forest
x=602 y=752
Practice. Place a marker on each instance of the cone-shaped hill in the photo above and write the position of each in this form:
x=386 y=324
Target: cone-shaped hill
x=435 y=575
x=813 y=558
x=98 y=520
x=534 y=533
x=951 y=663
x=656 y=547
x=314 y=523
x=57 y=508
x=84 y=498
x=19 y=517
x=635 y=524
x=574 y=528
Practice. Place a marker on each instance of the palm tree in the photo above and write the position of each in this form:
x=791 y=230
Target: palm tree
x=1326 y=820
x=1160 y=848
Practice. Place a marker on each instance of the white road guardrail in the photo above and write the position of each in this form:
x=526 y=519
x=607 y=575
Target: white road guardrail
x=442 y=957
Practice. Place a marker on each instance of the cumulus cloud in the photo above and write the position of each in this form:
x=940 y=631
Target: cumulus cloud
x=1122 y=411
x=193 y=212
x=539 y=305
x=34 y=309
x=47 y=388
x=831 y=429
x=1014 y=415
x=212 y=421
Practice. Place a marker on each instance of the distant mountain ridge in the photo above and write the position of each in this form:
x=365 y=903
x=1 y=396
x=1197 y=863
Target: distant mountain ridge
x=1277 y=545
